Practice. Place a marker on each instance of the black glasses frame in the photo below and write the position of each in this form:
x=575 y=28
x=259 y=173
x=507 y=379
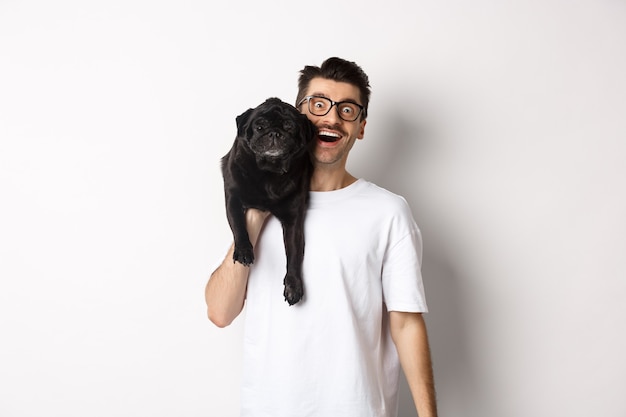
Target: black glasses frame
x=336 y=104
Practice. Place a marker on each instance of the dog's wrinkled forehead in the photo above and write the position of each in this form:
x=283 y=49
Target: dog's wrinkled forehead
x=276 y=112
x=271 y=113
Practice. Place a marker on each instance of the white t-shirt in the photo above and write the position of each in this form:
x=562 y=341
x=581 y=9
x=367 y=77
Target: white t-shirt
x=332 y=354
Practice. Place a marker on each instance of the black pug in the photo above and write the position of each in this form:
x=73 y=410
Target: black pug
x=269 y=168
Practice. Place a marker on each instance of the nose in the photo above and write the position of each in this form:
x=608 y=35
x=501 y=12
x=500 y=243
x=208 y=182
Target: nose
x=332 y=117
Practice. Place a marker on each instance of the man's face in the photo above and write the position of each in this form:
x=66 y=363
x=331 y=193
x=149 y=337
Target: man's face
x=336 y=136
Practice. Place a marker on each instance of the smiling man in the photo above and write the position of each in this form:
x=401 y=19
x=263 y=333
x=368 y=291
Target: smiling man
x=339 y=351
x=338 y=130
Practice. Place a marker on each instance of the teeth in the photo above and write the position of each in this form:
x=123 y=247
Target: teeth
x=326 y=133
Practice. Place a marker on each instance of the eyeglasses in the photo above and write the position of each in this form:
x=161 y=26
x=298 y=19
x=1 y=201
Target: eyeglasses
x=320 y=106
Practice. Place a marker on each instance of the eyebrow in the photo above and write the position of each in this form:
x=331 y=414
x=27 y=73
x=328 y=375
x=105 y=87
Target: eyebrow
x=346 y=100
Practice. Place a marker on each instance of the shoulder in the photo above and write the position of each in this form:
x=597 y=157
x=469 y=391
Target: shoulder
x=383 y=198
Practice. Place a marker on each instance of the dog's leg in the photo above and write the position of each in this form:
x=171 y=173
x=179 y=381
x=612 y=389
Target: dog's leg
x=236 y=214
x=293 y=234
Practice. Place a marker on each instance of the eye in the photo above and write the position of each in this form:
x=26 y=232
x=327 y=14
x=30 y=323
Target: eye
x=288 y=125
x=348 y=109
x=259 y=124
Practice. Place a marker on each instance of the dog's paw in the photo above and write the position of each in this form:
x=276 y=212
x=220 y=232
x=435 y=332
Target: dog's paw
x=243 y=255
x=293 y=289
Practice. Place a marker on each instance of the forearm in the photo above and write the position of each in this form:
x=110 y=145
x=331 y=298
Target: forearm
x=225 y=292
x=411 y=340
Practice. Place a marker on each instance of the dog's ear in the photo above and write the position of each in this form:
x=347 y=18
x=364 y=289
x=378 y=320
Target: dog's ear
x=309 y=130
x=242 y=122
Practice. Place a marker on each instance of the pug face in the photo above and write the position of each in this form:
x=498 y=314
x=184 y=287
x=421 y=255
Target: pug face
x=276 y=133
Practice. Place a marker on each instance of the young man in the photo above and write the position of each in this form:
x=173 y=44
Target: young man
x=337 y=352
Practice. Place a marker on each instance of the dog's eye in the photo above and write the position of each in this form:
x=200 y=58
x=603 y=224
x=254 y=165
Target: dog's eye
x=260 y=124
x=288 y=125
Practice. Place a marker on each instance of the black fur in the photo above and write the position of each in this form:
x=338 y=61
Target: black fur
x=269 y=168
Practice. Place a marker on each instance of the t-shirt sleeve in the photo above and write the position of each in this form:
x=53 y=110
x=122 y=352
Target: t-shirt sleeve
x=403 y=288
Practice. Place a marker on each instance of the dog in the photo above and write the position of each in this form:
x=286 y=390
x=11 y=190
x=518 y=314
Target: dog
x=269 y=168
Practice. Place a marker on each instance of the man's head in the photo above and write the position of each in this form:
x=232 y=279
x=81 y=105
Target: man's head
x=335 y=98
x=339 y=70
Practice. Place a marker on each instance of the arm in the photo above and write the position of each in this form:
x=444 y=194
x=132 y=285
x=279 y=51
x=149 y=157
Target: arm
x=408 y=332
x=226 y=290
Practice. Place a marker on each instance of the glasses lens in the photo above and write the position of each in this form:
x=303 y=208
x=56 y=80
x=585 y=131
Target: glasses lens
x=348 y=111
x=319 y=106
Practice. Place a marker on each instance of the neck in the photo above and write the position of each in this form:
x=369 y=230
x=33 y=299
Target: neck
x=330 y=181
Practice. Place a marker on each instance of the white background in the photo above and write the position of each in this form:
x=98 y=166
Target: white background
x=503 y=123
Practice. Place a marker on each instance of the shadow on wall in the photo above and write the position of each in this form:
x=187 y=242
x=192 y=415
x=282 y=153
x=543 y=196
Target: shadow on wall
x=402 y=144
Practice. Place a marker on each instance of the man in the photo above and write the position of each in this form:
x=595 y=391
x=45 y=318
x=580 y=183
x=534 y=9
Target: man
x=337 y=352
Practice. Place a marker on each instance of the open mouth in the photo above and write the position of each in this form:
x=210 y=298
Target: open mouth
x=326 y=136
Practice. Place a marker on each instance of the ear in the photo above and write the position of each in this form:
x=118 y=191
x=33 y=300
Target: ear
x=308 y=128
x=242 y=122
x=361 y=129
